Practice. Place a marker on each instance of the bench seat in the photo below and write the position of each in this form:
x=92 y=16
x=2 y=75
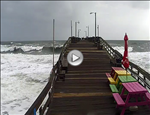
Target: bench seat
x=108 y=75
x=111 y=80
x=118 y=99
x=113 y=88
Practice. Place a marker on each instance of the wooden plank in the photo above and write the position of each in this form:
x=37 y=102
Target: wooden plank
x=88 y=78
x=102 y=71
x=97 y=51
x=83 y=48
x=76 y=74
x=62 y=95
x=80 y=86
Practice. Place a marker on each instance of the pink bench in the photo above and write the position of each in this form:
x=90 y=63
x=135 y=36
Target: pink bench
x=135 y=90
x=118 y=99
x=108 y=75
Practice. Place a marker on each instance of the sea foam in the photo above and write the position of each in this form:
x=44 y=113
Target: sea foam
x=22 y=79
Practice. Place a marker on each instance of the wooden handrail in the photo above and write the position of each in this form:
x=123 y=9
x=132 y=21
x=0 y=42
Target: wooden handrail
x=39 y=100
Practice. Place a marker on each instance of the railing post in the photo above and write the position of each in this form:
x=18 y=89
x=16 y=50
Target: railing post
x=49 y=96
x=41 y=110
x=138 y=72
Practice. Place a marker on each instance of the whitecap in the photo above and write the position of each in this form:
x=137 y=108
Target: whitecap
x=23 y=77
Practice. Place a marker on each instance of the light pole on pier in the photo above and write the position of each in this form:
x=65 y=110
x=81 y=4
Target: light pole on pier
x=98 y=29
x=71 y=28
x=85 y=33
x=79 y=31
x=76 y=28
x=53 y=38
x=88 y=30
x=95 y=21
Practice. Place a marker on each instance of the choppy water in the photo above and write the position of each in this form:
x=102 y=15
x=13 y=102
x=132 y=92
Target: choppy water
x=38 y=48
x=25 y=70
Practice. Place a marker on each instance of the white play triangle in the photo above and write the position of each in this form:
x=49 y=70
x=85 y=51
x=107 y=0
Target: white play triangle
x=75 y=57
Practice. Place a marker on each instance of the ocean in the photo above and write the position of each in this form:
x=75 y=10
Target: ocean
x=26 y=66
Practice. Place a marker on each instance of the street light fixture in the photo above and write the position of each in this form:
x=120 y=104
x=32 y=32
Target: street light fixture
x=95 y=21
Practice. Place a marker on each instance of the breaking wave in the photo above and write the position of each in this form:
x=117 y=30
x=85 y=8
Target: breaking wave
x=30 y=49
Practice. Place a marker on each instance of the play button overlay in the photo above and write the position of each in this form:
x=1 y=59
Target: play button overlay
x=75 y=57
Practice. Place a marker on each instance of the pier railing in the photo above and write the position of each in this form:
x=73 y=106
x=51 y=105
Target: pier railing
x=45 y=98
x=137 y=72
x=141 y=75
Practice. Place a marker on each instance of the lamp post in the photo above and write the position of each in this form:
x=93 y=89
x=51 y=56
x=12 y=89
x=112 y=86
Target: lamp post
x=53 y=38
x=88 y=30
x=85 y=33
x=76 y=28
x=98 y=29
x=71 y=28
x=95 y=21
x=79 y=31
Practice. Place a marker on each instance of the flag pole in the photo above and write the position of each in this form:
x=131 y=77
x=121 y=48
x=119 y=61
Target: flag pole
x=126 y=73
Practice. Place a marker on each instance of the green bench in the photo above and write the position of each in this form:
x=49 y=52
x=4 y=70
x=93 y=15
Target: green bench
x=113 y=88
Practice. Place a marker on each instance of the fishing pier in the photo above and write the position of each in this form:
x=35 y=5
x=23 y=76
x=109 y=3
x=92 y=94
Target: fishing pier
x=86 y=89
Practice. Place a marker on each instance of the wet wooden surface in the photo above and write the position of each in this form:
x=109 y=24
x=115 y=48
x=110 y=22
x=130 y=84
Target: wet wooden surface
x=85 y=90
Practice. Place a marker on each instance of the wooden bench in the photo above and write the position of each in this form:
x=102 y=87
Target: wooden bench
x=110 y=79
x=113 y=88
x=118 y=99
x=108 y=75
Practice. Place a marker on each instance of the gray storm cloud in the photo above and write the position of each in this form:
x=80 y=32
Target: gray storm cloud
x=140 y=4
x=32 y=20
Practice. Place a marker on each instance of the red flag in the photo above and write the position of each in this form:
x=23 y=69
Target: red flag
x=125 y=60
x=125 y=55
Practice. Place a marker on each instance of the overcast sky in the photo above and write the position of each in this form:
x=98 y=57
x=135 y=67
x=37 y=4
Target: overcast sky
x=32 y=20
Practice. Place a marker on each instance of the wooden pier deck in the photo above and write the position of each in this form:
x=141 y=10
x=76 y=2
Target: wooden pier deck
x=85 y=90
